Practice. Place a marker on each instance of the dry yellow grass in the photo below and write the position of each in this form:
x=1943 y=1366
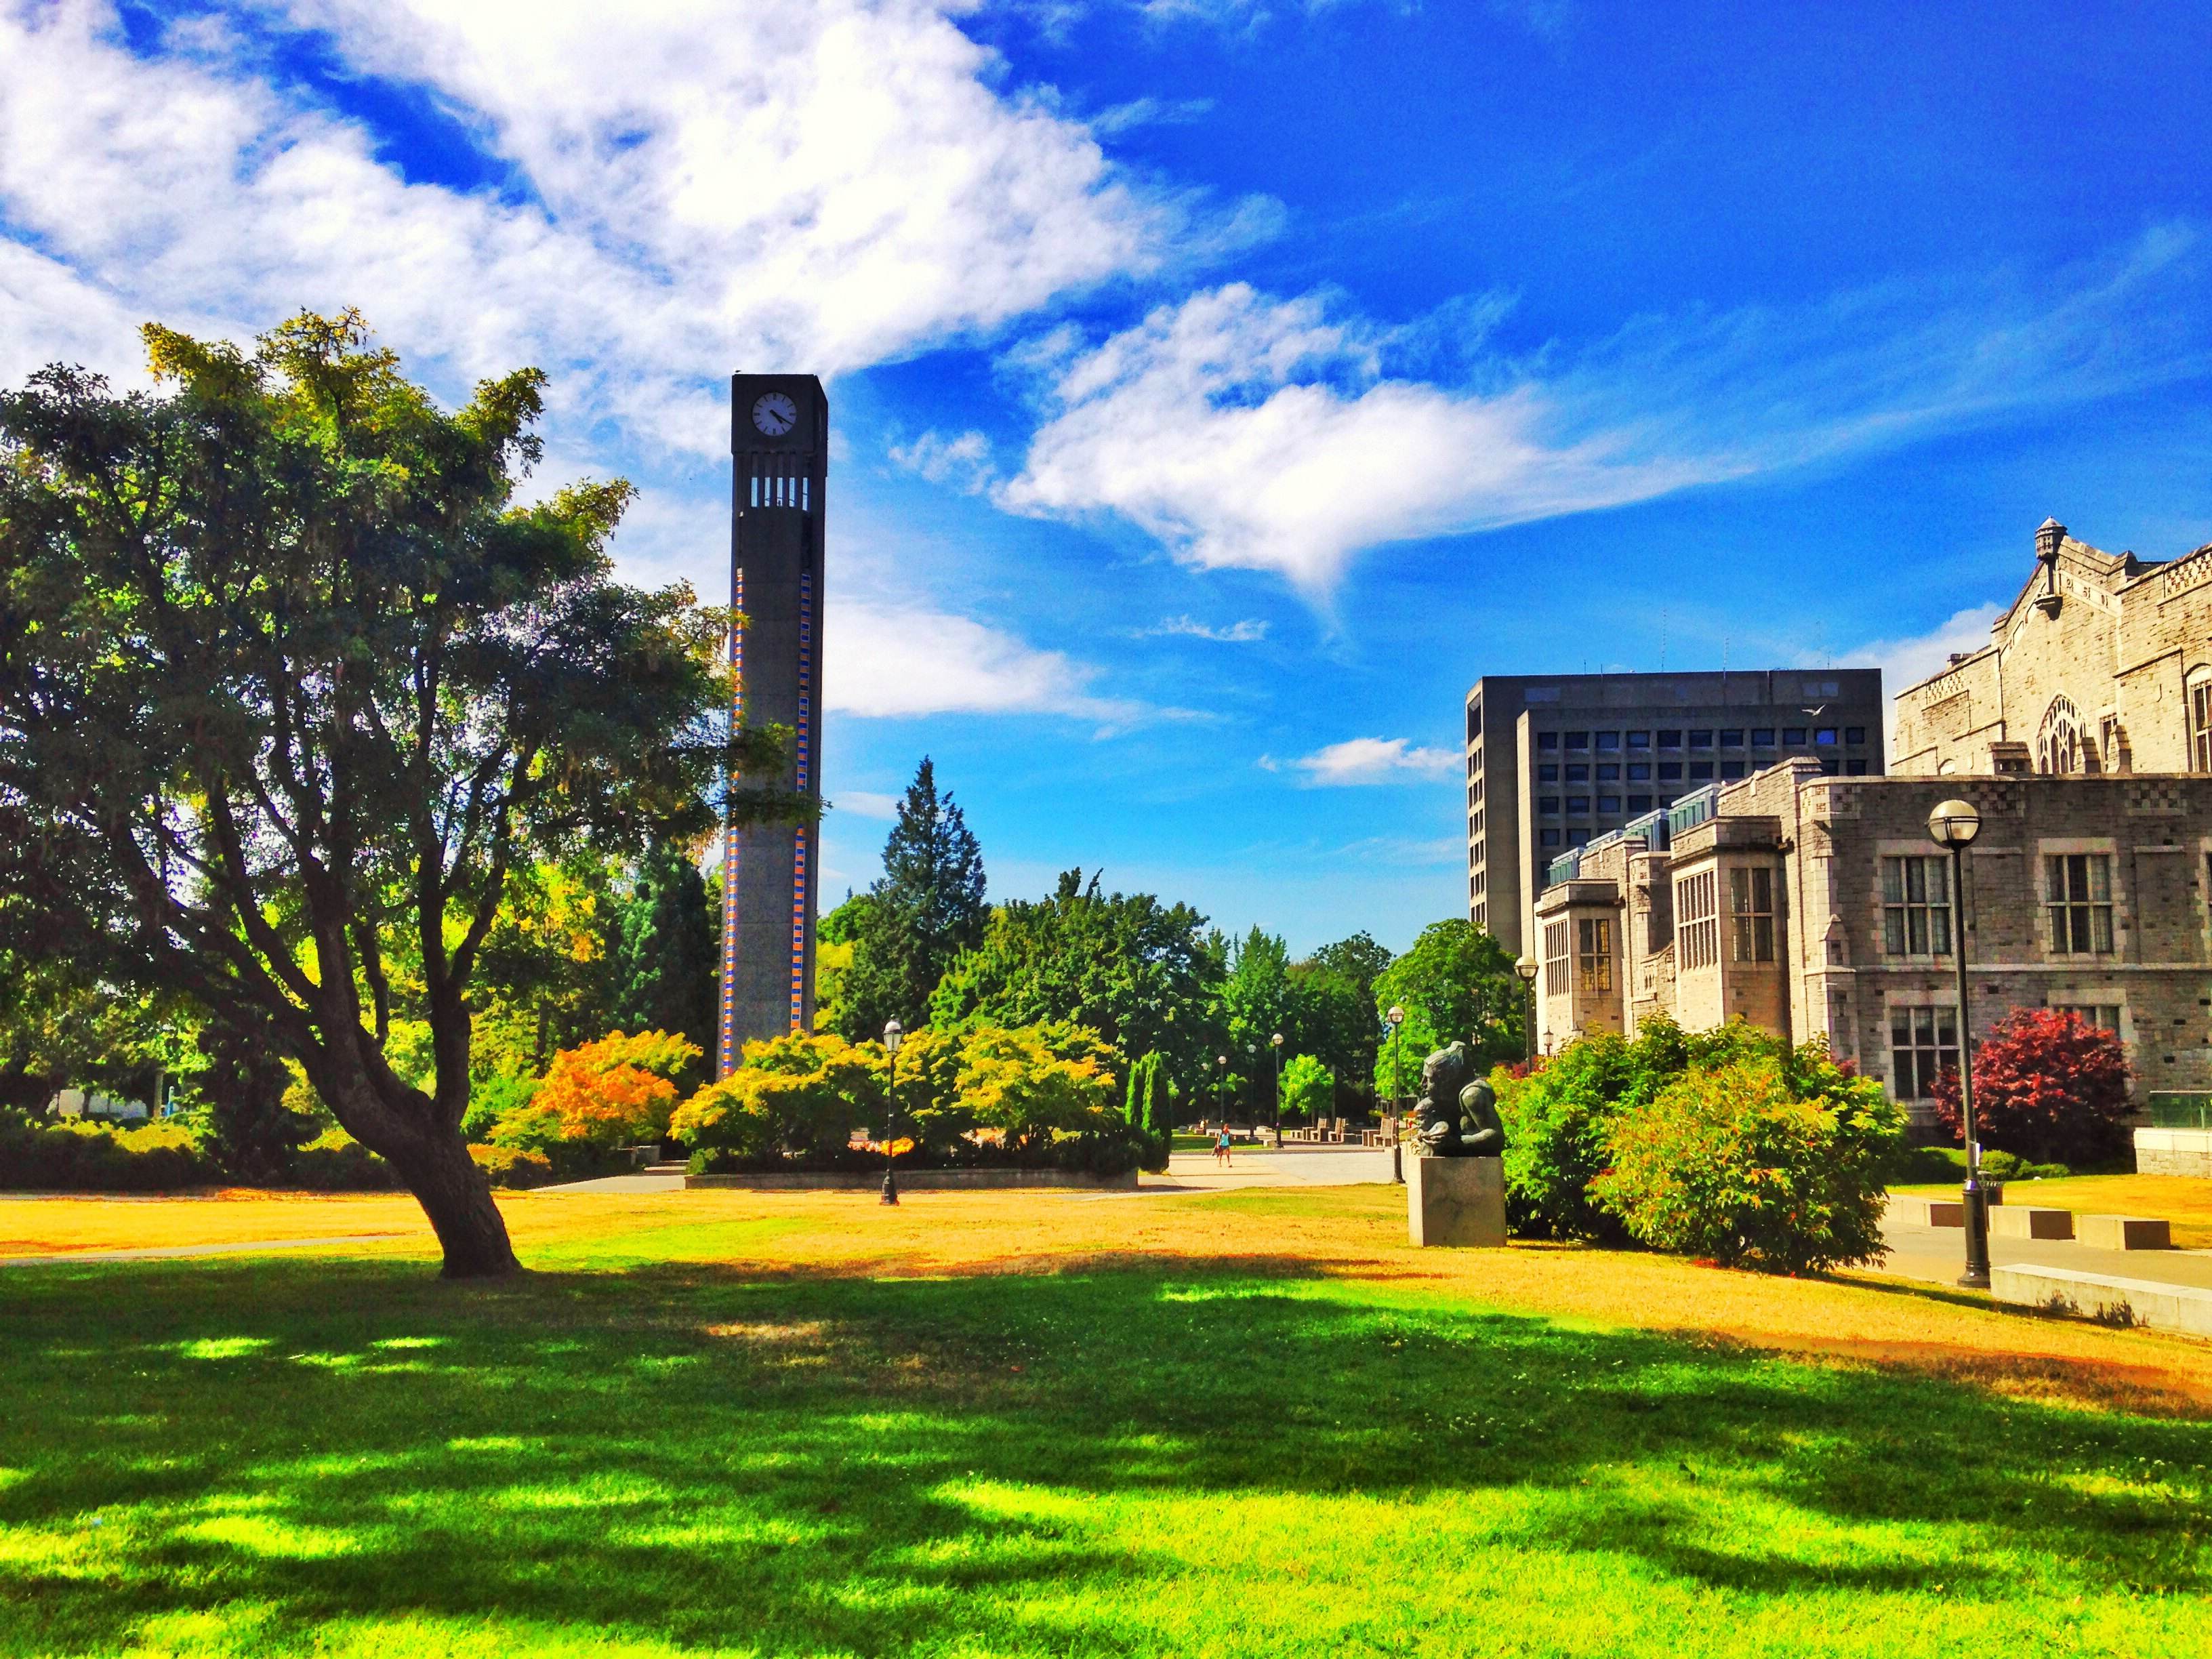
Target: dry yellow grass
x=1351 y=1233
x=2185 y=1201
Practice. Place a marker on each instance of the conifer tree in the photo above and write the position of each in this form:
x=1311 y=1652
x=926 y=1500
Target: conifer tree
x=667 y=967
x=926 y=909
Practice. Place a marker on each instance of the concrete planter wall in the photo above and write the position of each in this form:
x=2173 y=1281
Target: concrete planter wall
x=2173 y=1152
x=916 y=1180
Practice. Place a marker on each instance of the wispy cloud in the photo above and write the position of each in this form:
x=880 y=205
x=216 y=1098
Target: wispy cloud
x=962 y=461
x=1369 y=760
x=885 y=661
x=1236 y=633
x=866 y=804
x=1250 y=431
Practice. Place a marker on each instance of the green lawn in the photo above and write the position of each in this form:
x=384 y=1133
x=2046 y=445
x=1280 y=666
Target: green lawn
x=1179 y=1455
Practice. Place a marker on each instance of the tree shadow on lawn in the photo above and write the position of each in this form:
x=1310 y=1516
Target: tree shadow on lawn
x=806 y=1462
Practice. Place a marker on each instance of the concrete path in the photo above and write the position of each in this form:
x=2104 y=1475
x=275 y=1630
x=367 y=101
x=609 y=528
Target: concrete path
x=1294 y=1165
x=621 y=1183
x=173 y=1250
x=1938 y=1255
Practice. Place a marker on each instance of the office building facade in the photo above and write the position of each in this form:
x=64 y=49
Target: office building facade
x=1555 y=760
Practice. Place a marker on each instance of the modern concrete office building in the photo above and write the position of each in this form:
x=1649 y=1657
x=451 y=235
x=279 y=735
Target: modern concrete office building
x=1556 y=760
x=780 y=446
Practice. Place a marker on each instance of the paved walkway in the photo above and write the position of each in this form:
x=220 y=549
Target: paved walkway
x=1295 y=1166
x=1938 y=1255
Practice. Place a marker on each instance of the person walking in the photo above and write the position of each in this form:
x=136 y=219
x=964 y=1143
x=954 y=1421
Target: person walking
x=1221 y=1146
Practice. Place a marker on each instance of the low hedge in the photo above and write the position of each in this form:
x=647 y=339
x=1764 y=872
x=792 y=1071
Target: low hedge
x=514 y=1167
x=90 y=1157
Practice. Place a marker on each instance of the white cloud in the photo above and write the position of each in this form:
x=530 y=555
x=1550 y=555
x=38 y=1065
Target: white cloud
x=1372 y=760
x=882 y=660
x=1906 y=662
x=964 y=461
x=1248 y=431
x=698 y=186
x=1236 y=633
x=866 y=804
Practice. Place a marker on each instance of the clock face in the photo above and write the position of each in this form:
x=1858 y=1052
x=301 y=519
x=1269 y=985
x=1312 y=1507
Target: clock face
x=775 y=414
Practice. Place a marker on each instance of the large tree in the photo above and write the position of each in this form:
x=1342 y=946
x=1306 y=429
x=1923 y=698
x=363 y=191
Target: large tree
x=1456 y=985
x=1335 y=993
x=1140 y=973
x=290 y=680
x=667 y=966
x=925 y=909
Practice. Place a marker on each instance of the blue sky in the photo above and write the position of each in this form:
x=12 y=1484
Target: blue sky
x=1219 y=387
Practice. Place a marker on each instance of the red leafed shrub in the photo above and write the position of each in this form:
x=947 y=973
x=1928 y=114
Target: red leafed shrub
x=2048 y=1087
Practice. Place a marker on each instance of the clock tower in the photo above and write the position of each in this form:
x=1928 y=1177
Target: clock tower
x=780 y=443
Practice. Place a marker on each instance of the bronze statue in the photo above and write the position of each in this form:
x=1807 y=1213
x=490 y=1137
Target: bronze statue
x=1457 y=1112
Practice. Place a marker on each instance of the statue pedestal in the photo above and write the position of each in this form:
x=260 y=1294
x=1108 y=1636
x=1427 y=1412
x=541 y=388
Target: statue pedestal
x=1456 y=1201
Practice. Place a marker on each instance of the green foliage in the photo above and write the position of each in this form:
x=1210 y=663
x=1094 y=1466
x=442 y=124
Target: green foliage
x=334 y=1162
x=254 y=1134
x=1333 y=995
x=61 y=1027
x=923 y=911
x=514 y=1167
x=1147 y=1112
x=1137 y=972
x=667 y=972
x=794 y=1096
x=496 y=1100
x=1766 y=1160
x=1455 y=984
x=1309 y=1090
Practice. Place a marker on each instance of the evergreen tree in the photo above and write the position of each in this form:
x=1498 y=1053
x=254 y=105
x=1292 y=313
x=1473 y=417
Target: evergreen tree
x=926 y=909
x=667 y=968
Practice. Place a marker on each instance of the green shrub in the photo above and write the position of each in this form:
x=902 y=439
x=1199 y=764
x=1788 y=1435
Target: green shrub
x=1759 y=1161
x=513 y=1167
x=1147 y=1112
x=1308 y=1089
x=334 y=1162
x=90 y=1157
x=492 y=1099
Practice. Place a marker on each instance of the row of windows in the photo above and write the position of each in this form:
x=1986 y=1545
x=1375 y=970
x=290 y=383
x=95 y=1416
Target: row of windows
x=1725 y=737
x=1917 y=904
x=1923 y=1044
x=1668 y=772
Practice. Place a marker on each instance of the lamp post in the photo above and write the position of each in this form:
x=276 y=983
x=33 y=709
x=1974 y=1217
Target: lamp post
x=1953 y=825
x=892 y=1034
x=1526 y=969
x=1393 y=1019
x=1221 y=1090
x=1276 y=1043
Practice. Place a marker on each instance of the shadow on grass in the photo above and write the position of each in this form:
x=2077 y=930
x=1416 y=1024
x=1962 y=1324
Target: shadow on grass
x=797 y=1464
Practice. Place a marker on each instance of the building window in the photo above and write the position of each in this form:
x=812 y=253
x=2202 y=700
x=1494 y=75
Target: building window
x=1731 y=737
x=1474 y=721
x=1750 y=914
x=1670 y=740
x=1547 y=775
x=1579 y=803
x=1923 y=1044
x=2200 y=726
x=1824 y=736
x=1670 y=771
x=1696 y=923
x=1855 y=768
x=1549 y=804
x=1608 y=740
x=1831 y=765
x=1577 y=739
x=1762 y=736
x=1855 y=734
x=1700 y=769
x=1547 y=838
x=1578 y=775
x=1639 y=739
x=1701 y=739
x=1547 y=740
x=1594 y=953
x=2058 y=743
x=1793 y=737
x=1731 y=769
x=2103 y=1016
x=1609 y=775
x=1555 y=958
x=1608 y=803
x=2078 y=888
x=1916 y=907
x=1639 y=803
x=1639 y=771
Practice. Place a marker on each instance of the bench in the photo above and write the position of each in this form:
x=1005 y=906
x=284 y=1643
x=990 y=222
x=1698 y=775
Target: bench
x=2026 y=1221
x=2126 y=1232
x=1929 y=1212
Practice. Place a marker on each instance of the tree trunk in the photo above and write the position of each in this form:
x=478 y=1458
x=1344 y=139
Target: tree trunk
x=457 y=1197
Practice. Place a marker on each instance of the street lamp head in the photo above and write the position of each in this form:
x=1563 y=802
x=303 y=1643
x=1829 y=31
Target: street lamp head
x=892 y=1032
x=1221 y=1060
x=1277 y=1039
x=1526 y=969
x=1954 y=823
x=1396 y=1017
x=1547 y=1042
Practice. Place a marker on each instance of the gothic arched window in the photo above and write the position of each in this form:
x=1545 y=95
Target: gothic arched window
x=2059 y=744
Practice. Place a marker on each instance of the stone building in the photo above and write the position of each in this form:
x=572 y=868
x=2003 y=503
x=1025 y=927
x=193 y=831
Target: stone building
x=1817 y=906
x=1555 y=760
x=2102 y=664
